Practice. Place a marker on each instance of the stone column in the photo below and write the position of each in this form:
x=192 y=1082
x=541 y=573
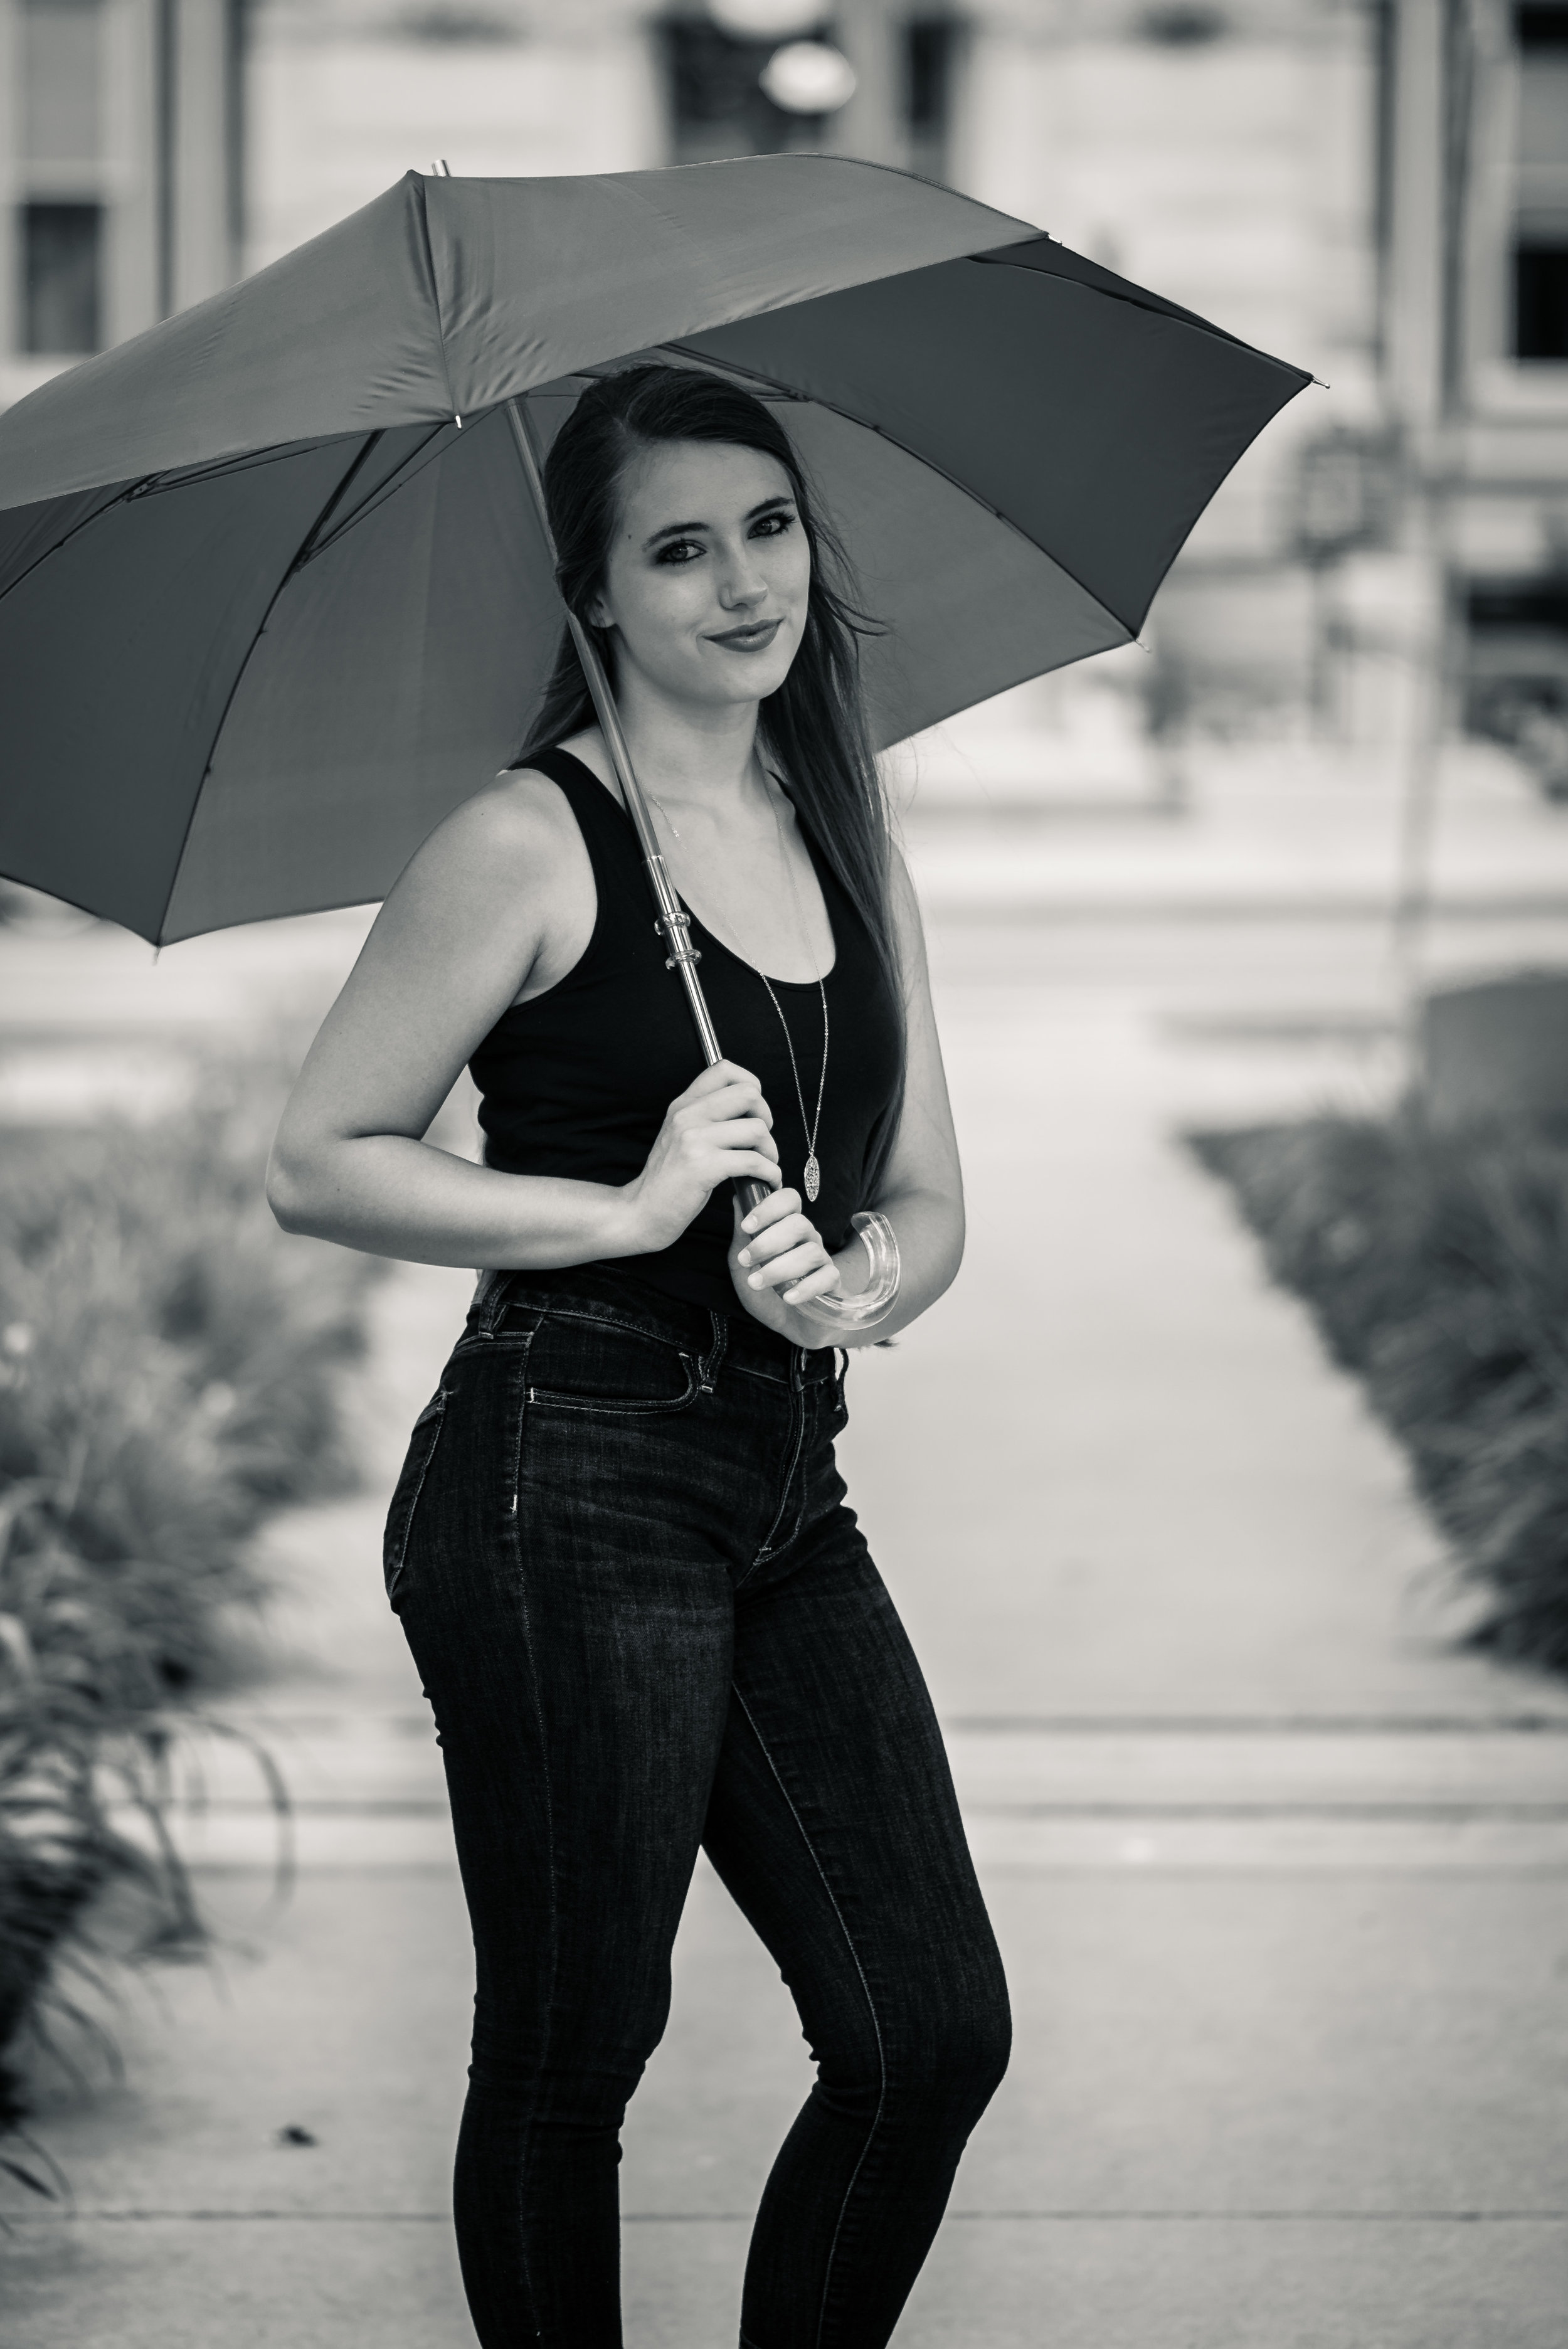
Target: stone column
x=201 y=133
x=1413 y=311
x=871 y=32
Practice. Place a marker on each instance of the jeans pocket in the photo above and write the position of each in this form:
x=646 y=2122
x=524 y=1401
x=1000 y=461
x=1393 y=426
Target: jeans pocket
x=607 y=1366
x=417 y=1461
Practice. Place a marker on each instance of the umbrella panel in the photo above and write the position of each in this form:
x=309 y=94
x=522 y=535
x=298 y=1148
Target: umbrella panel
x=307 y=616
x=117 y=660
x=395 y=675
x=254 y=687
x=984 y=385
x=401 y=663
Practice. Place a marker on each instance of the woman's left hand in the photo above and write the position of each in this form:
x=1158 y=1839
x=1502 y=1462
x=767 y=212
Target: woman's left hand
x=777 y=1260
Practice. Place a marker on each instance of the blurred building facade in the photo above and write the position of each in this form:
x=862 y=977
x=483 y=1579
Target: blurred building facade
x=1376 y=189
x=1476 y=344
x=345 y=96
x=121 y=185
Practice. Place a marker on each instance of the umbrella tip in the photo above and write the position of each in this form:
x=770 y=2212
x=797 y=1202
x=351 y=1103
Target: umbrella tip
x=441 y=169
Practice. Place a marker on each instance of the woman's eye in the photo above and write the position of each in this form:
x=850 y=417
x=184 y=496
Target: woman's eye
x=773 y=525
x=679 y=550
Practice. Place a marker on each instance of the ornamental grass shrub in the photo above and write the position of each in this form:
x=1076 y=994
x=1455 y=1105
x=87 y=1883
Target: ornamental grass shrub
x=1436 y=1268
x=168 y=1370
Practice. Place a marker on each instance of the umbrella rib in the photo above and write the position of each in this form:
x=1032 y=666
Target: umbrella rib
x=1135 y=298
x=414 y=462
x=310 y=545
x=86 y=522
x=234 y=682
x=148 y=485
x=223 y=468
x=420 y=201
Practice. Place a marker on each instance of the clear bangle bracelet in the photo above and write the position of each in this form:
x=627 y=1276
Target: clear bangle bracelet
x=874 y=1302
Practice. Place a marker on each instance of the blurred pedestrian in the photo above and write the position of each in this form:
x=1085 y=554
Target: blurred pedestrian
x=620 y=1549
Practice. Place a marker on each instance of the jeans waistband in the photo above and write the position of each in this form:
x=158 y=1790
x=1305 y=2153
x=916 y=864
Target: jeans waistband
x=747 y=1344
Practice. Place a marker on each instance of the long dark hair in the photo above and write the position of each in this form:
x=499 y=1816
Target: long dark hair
x=814 y=727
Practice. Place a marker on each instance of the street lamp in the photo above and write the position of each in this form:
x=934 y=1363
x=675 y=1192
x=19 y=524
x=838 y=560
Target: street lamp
x=809 y=77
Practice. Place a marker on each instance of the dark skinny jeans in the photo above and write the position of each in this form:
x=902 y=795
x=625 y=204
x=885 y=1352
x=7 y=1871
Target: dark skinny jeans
x=646 y=1621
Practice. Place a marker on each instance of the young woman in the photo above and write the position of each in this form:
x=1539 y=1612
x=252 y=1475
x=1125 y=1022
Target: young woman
x=620 y=1549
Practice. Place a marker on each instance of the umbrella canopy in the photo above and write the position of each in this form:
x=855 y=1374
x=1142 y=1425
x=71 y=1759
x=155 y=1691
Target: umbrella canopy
x=274 y=599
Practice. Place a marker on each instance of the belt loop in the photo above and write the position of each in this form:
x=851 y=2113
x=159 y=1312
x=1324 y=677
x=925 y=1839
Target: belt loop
x=490 y=1302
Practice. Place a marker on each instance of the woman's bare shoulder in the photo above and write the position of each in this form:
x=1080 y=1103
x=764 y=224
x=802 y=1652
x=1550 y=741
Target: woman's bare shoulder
x=518 y=812
x=515 y=834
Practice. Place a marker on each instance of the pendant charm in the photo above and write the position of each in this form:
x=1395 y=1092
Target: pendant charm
x=813 y=1176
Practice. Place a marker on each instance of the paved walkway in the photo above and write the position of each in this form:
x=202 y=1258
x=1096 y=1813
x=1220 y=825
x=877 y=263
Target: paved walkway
x=1294 y=828
x=1281 y=1880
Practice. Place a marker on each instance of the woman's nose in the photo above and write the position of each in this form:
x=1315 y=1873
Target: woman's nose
x=741 y=583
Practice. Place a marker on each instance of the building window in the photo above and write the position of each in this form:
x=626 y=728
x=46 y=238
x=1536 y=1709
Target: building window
x=59 y=221
x=930 y=57
x=1541 y=186
x=1540 y=301
x=62 y=259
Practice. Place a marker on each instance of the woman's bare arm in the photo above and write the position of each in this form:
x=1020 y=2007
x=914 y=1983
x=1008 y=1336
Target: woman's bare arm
x=922 y=1192
x=475 y=914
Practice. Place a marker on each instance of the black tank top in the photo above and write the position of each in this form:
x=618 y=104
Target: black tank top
x=576 y=1082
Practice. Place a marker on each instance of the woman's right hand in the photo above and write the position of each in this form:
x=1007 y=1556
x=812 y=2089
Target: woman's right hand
x=720 y=1128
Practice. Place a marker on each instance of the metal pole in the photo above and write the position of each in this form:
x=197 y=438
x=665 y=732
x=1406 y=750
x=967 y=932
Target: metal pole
x=1422 y=780
x=671 y=922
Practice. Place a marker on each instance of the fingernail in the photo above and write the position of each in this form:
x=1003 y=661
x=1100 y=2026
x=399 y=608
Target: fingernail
x=744 y=1258
x=755 y=1280
x=748 y=1223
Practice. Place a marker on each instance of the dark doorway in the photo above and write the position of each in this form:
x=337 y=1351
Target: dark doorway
x=716 y=101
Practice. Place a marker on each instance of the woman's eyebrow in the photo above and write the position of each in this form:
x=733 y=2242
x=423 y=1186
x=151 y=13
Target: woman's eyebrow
x=683 y=529
x=674 y=530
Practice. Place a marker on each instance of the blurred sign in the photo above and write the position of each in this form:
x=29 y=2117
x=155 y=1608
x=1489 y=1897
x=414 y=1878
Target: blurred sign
x=1346 y=493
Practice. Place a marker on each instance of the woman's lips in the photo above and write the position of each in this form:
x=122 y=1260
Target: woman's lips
x=750 y=639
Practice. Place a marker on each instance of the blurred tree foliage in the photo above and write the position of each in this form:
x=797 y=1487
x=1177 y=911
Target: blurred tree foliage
x=169 y=1375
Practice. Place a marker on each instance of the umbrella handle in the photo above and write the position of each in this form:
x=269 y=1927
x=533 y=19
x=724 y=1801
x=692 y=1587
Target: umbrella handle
x=871 y=1303
x=875 y=1301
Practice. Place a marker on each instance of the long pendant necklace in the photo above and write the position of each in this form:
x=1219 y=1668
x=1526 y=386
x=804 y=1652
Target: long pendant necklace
x=811 y=1180
x=811 y=1174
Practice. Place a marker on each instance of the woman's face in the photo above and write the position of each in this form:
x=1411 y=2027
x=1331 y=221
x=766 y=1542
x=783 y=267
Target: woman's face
x=708 y=573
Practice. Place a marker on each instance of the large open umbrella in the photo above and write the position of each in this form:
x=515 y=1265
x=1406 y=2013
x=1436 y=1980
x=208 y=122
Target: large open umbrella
x=273 y=597
x=271 y=603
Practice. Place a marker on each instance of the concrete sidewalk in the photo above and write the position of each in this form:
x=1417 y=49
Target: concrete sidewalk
x=1298 y=830
x=1282 y=1882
